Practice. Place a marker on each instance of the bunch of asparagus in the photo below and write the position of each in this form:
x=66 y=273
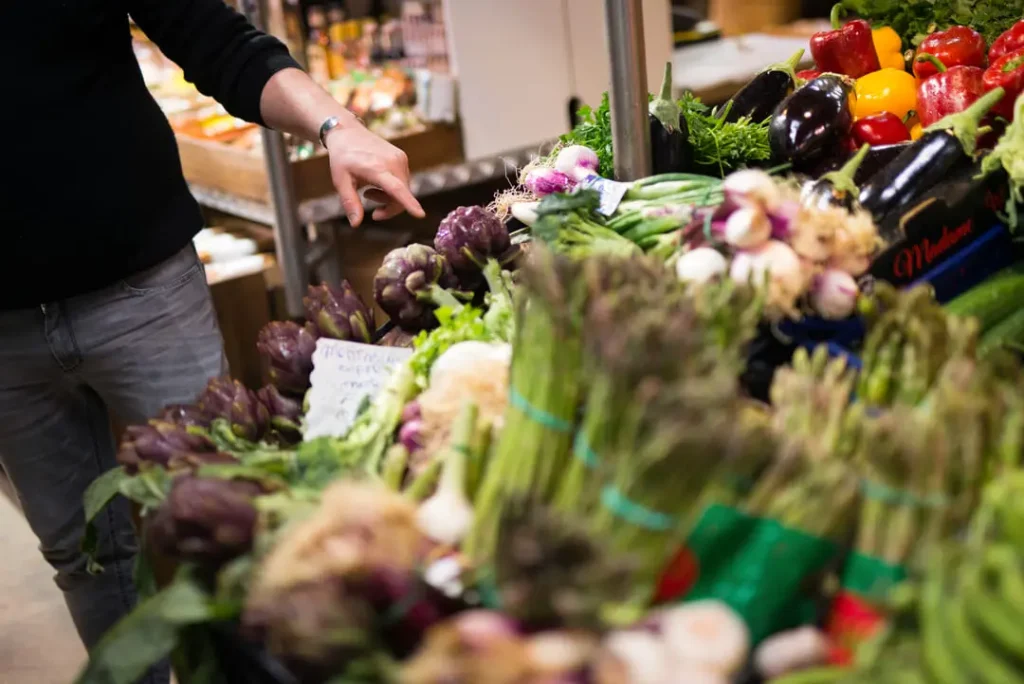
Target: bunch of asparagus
x=960 y=621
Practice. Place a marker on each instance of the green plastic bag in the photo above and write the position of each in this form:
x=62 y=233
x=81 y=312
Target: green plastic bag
x=759 y=568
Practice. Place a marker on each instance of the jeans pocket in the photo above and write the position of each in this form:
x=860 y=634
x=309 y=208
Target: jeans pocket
x=166 y=276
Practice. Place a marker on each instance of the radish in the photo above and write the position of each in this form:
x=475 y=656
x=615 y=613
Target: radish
x=701 y=265
x=543 y=182
x=792 y=651
x=525 y=212
x=577 y=162
x=752 y=187
x=706 y=635
x=644 y=655
x=834 y=294
x=747 y=228
x=777 y=265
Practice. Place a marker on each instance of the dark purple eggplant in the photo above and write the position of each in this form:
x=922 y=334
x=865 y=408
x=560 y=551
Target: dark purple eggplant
x=878 y=157
x=945 y=147
x=812 y=121
x=836 y=188
x=759 y=98
x=670 y=136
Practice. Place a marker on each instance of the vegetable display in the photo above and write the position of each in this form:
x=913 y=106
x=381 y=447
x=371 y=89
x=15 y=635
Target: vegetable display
x=684 y=428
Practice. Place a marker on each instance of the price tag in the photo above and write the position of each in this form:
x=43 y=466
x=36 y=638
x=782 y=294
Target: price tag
x=611 y=192
x=344 y=375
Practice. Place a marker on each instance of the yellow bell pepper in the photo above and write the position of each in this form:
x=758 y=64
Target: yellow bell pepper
x=888 y=90
x=889 y=47
x=916 y=132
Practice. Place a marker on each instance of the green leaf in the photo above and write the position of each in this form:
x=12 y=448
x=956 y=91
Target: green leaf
x=582 y=200
x=102 y=491
x=148 y=634
x=148 y=489
x=142 y=574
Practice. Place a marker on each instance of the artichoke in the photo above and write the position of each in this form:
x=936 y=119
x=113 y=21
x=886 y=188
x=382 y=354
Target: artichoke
x=402 y=286
x=237 y=404
x=185 y=416
x=288 y=349
x=468 y=237
x=166 y=444
x=339 y=313
x=285 y=414
x=206 y=521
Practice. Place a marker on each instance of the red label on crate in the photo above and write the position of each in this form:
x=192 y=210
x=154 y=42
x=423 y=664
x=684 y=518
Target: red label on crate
x=852 y=622
x=678 y=578
x=913 y=260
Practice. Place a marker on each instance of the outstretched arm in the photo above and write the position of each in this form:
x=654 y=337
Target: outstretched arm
x=256 y=79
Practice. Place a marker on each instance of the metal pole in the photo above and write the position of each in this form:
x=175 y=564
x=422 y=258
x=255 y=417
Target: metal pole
x=288 y=238
x=631 y=132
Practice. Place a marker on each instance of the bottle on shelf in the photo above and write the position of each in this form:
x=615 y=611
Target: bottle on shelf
x=317 y=44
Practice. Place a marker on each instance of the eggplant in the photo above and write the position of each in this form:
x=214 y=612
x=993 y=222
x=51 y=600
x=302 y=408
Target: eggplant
x=759 y=98
x=877 y=158
x=812 y=121
x=670 y=136
x=836 y=188
x=946 y=147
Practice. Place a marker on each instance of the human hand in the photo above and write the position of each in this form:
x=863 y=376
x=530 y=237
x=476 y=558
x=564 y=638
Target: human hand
x=359 y=157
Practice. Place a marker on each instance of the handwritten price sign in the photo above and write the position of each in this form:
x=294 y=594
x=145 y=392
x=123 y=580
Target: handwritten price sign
x=344 y=375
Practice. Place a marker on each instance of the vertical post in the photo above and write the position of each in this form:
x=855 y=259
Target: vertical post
x=631 y=132
x=288 y=238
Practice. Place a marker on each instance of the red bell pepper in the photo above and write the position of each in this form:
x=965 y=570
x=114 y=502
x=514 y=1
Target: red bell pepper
x=808 y=74
x=957 y=46
x=848 y=50
x=1011 y=41
x=1007 y=73
x=881 y=129
x=948 y=92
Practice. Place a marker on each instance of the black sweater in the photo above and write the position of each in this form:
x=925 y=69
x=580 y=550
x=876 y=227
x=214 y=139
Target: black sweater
x=92 y=189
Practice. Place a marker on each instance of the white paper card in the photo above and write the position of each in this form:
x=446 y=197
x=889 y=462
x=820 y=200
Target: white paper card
x=611 y=192
x=344 y=374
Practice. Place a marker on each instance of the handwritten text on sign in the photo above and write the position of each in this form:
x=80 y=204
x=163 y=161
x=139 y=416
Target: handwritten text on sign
x=344 y=374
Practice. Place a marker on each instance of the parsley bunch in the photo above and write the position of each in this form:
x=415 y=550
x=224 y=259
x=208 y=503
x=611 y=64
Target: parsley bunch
x=717 y=146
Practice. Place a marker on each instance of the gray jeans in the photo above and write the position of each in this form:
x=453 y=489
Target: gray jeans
x=66 y=369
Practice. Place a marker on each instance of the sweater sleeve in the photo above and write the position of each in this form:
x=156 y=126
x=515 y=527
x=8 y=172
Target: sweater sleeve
x=218 y=49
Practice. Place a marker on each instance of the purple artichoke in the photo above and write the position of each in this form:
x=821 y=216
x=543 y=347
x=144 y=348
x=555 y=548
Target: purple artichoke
x=468 y=237
x=285 y=414
x=231 y=400
x=205 y=520
x=402 y=285
x=339 y=313
x=166 y=444
x=288 y=348
x=185 y=416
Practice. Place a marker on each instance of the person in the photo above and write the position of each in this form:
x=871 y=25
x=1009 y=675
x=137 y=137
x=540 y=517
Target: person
x=104 y=309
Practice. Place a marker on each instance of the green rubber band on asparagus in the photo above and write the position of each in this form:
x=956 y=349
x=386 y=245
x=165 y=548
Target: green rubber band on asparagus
x=886 y=494
x=633 y=512
x=540 y=416
x=582 y=450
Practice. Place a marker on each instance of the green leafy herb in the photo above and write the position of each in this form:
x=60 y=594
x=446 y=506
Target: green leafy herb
x=595 y=131
x=915 y=19
x=457 y=325
x=722 y=146
x=718 y=146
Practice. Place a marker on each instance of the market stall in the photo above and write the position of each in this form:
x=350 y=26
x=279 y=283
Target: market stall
x=710 y=395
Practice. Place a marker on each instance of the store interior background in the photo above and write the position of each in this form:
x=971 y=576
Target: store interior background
x=469 y=88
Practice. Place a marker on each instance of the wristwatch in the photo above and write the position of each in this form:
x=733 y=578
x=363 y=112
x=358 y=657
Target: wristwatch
x=329 y=124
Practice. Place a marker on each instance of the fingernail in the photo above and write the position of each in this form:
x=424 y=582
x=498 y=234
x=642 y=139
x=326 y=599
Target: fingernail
x=352 y=218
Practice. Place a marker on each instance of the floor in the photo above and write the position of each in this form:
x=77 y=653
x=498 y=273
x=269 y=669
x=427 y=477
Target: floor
x=38 y=643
